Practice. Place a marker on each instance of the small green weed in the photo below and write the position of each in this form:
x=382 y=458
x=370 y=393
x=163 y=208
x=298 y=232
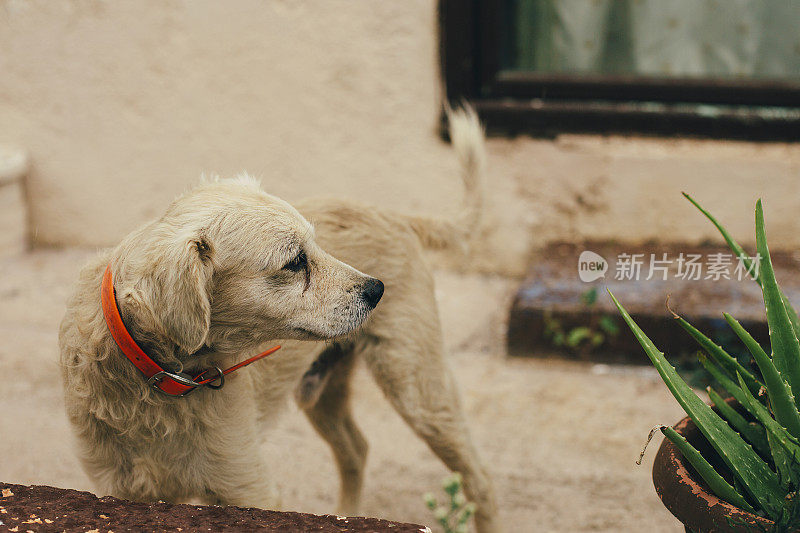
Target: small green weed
x=581 y=340
x=454 y=514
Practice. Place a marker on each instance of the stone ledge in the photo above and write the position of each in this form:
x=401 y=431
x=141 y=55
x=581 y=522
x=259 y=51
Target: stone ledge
x=43 y=508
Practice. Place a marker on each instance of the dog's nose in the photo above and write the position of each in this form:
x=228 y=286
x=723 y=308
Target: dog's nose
x=373 y=290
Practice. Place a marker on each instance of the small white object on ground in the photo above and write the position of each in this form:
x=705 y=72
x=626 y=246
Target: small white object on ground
x=13 y=213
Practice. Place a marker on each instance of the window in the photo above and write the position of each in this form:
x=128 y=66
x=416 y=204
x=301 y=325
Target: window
x=711 y=68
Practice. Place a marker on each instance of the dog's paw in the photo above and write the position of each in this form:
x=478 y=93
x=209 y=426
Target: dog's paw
x=310 y=389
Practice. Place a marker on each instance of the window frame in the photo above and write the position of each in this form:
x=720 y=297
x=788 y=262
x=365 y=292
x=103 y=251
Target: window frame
x=547 y=104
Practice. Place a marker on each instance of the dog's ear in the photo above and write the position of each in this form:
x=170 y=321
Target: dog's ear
x=180 y=286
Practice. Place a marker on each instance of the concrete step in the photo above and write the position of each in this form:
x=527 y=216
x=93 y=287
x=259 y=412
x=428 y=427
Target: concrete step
x=555 y=310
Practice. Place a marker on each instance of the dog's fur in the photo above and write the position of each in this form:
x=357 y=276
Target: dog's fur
x=214 y=280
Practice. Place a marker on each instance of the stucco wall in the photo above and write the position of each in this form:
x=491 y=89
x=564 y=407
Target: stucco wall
x=121 y=105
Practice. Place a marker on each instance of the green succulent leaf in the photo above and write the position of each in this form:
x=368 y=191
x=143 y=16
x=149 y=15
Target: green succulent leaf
x=780 y=394
x=760 y=481
x=712 y=478
x=776 y=433
x=732 y=388
x=748 y=262
x=785 y=347
x=782 y=461
x=752 y=433
x=722 y=358
x=765 y=419
x=732 y=244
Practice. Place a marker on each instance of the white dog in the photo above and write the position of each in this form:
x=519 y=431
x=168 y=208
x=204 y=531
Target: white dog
x=229 y=268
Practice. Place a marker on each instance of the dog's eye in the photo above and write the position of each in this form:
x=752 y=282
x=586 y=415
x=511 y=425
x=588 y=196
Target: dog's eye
x=297 y=264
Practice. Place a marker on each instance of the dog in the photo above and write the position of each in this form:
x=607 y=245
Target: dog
x=228 y=269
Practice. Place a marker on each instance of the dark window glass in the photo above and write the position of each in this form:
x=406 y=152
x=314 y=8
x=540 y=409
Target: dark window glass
x=659 y=38
x=718 y=68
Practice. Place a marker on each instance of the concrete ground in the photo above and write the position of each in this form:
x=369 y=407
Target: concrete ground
x=560 y=438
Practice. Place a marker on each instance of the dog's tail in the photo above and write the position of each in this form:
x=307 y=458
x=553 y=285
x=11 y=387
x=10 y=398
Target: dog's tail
x=467 y=137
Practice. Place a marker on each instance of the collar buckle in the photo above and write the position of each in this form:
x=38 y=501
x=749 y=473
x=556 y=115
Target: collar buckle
x=154 y=380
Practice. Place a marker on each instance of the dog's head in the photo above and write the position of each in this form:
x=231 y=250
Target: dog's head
x=232 y=267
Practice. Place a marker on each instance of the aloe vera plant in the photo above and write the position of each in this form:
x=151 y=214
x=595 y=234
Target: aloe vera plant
x=762 y=455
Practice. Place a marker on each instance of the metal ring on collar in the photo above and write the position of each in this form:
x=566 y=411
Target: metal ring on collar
x=220 y=376
x=180 y=378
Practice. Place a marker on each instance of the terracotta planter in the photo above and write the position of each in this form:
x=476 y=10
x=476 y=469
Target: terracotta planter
x=686 y=496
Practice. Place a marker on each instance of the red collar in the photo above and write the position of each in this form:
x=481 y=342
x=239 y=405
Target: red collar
x=171 y=383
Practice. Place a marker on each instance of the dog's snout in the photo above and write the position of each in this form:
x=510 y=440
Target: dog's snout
x=372 y=292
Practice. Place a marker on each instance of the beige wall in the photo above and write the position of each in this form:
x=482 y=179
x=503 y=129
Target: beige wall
x=121 y=105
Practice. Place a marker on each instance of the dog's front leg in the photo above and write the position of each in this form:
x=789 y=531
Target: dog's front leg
x=228 y=459
x=242 y=481
x=331 y=416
